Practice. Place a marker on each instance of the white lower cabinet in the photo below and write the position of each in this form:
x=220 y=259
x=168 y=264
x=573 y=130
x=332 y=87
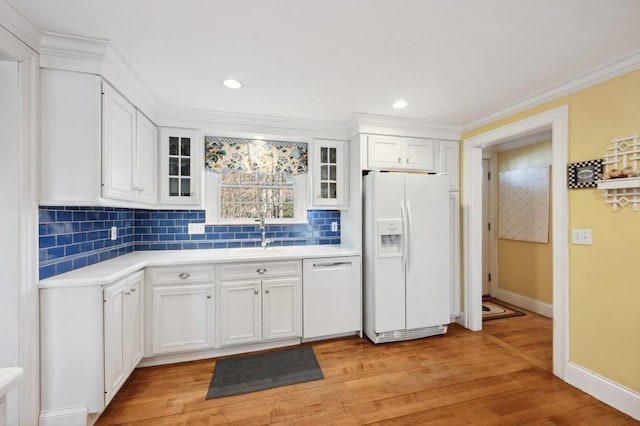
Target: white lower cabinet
x=241 y=312
x=280 y=308
x=183 y=318
x=122 y=332
x=182 y=306
x=260 y=302
x=90 y=342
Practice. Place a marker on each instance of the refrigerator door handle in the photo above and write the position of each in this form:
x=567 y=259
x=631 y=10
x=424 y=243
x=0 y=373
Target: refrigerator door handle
x=404 y=232
x=407 y=237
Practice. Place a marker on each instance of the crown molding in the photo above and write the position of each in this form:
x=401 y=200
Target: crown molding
x=385 y=125
x=598 y=75
x=97 y=56
x=246 y=125
x=18 y=25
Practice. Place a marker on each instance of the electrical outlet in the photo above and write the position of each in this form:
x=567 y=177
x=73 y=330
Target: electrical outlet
x=582 y=236
x=114 y=233
x=196 y=228
x=334 y=226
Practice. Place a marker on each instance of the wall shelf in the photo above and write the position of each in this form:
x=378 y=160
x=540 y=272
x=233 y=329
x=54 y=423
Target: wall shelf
x=622 y=154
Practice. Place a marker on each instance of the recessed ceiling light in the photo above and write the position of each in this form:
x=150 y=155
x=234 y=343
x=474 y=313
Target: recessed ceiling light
x=232 y=84
x=400 y=104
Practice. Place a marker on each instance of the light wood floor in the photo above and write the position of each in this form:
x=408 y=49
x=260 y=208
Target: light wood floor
x=501 y=375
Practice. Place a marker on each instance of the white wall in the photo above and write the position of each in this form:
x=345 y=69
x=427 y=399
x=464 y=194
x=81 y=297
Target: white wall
x=9 y=226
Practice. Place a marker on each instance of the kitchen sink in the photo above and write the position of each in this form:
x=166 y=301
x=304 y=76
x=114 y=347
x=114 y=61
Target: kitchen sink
x=257 y=251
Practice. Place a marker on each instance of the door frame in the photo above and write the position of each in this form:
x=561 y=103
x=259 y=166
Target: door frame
x=558 y=120
x=28 y=181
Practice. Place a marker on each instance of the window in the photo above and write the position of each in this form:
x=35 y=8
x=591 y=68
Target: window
x=248 y=179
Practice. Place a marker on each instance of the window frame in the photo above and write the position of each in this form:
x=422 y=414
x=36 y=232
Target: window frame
x=212 y=185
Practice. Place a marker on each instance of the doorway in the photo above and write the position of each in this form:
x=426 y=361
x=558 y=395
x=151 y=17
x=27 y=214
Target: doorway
x=556 y=121
x=19 y=123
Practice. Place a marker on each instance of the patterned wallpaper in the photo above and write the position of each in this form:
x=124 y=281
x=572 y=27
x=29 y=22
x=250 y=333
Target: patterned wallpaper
x=73 y=237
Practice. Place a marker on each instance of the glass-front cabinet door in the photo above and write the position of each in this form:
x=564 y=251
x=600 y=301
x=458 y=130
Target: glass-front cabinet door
x=330 y=176
x=181 y=166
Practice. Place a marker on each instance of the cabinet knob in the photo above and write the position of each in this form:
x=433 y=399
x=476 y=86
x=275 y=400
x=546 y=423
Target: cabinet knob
x=208 y=296
x=133 y=290
x=261 y=271
x=184 y=275
x=399 y=160
x=126 y=293
x=256 y=291
x=266 y=291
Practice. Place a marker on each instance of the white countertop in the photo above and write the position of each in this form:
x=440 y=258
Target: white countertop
x=9 y=378
x=111 y=270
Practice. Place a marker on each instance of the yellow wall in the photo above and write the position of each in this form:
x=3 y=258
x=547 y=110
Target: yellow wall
x=526 y=268
x=604 y=289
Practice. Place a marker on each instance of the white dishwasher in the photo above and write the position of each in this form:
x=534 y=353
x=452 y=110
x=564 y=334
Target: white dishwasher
x=331 y=297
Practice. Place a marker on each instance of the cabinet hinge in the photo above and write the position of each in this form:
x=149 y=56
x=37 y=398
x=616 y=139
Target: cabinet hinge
x=488 y=175
x=489 y=277
x=489 y=226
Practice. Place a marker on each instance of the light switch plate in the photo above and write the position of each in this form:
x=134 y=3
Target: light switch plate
x=582 y=236
x=196 y=228
x=334 y=226
x=114 y=233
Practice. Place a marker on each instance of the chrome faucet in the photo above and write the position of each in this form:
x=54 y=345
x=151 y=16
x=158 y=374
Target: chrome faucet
x=264 y=242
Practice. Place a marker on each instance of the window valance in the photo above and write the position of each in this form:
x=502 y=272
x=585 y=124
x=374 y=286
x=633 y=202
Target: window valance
x=224 y=154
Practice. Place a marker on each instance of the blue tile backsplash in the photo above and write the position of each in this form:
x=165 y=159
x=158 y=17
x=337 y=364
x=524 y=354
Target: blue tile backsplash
x=73 y=237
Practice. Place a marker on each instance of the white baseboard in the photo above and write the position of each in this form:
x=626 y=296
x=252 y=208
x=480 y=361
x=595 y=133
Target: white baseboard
x=611 y=393
x=525 y=302
x=75 y=416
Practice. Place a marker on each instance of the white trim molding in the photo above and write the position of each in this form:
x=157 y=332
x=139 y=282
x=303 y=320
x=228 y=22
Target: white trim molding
x=29 y=171
x=533 y=305
x=556 y=119
x=395 y=126
x=74 y=416
x=598 y=75
x=247 y=125
x=619 y=397
x=97 y=56
x=19 y=26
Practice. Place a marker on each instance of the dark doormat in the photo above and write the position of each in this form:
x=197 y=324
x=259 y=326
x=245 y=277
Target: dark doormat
x=250 y=373
x=493 y=309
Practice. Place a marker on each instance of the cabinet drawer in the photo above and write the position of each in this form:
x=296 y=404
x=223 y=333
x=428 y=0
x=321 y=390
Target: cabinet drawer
x=259 y=269
x=185 y=274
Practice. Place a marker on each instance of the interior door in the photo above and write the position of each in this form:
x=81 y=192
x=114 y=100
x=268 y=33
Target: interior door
x=427 y=271
x=486 y=283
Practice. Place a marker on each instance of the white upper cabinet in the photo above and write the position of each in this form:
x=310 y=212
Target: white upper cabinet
x=450 y=162
x=118 y=145
x=97 y=149
x=146 y=172
x=398 y=153
x=330 y=176
x=181 y=167
x=129 y=146
x=70 y=149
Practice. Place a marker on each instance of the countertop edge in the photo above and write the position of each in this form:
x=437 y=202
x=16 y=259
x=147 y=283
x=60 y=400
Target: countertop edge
x=107 y=272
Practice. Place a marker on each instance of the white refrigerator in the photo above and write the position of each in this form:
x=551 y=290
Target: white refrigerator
x=406 y=256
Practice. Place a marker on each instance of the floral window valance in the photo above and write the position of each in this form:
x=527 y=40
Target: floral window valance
x=248 y=155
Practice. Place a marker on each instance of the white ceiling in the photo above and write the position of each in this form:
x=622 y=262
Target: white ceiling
x=453 y=61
